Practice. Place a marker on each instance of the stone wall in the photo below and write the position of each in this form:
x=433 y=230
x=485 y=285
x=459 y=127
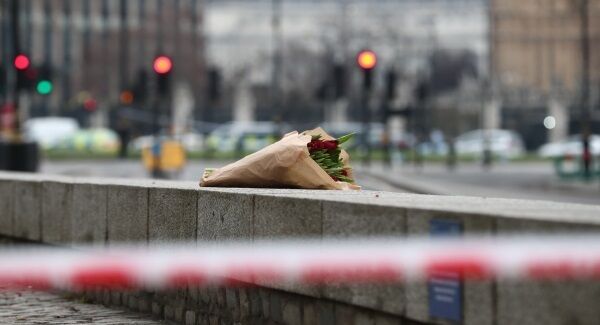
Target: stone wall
x=70 y=211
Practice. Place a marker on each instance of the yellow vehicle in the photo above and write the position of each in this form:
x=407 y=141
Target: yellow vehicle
x=169 y=156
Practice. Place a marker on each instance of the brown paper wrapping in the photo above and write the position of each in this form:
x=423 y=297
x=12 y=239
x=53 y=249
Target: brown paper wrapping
x=283 y=164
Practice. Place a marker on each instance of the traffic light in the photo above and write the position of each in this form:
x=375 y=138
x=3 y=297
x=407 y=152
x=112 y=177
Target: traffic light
x=90 y=105
x=390 y=85
x=162 y=65
x=126 y=97
x=214 y=84
x=367 y=61
x=339 y=80
x=2 y=81
x=21 y=62
x=140 y=87
x=44 y=85
x=26 y=74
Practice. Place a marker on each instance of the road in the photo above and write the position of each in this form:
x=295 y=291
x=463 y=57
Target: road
x=508 y=180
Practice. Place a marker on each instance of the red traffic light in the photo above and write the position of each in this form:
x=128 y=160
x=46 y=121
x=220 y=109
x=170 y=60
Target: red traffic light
x=21 y=62
x=162 y=64
x=90 y=104
x=366 y=59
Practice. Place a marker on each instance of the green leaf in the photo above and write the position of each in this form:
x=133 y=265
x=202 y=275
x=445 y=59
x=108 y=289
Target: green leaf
x=345 y=138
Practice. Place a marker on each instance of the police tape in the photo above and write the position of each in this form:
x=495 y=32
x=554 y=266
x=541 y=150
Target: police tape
x=308 y=262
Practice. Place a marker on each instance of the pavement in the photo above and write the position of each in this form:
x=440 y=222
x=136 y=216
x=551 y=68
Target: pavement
x=128 y=168
x=33 y=307
x=534 y=181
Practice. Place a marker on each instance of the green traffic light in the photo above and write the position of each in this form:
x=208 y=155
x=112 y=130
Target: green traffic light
x=44 y=87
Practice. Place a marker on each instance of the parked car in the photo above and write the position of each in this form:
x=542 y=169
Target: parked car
x=192 y=142
x=503 y=143
x=49 y=132
x=571 y=146
x=94 y=140
x=245 y=136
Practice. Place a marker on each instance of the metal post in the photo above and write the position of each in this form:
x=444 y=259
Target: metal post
x=66 y=79
x=276 y=72
x=123 y=46
x=16 y=47
x=585 y=89
x=47 y=46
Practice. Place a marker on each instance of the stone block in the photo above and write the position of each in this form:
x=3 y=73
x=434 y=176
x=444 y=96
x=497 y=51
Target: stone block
x=245 y=306
x=172 y=215
x=292 y=312
x=363 y=318
x=190 y=317
x=57 y=200
x=285 y=217
x=344 y=314
x=546 y=302
x=233 y=303
x=88 y=218
x=276 y=305
x=127 y=214
x=478 y=300
x=157 y=310
x=309 y=314
x=7 y=198
x=346 y=220
x=27 y=210
x=224 y=216
x=169 y=312
x=325 y=312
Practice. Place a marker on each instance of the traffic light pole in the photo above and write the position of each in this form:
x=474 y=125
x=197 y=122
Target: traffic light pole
x=366 y=113
x=16 y=46
x=585 y=90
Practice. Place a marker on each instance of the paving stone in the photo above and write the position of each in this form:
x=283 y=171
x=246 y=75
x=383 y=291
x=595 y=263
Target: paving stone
x=28 y=307
x=27 y=210
x=172 y=214
x=6 y=207
x=127 y=214
x=223 y=216
x=88 y=222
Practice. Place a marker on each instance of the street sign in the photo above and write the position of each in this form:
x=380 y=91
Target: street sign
x=445 y=288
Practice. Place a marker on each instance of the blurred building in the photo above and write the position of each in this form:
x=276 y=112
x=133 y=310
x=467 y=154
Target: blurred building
x=536 y=60
x=319 y=33
x=96 y=49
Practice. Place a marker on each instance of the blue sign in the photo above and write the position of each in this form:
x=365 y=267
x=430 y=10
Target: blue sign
x=445 y=288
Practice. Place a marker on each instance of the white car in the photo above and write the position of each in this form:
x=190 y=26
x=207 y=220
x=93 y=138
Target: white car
x=248 y=136
x=50 y=132
x=569 y=147
x=502 y=143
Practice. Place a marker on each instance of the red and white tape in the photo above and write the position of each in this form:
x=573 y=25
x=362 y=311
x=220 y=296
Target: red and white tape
x=305 y=262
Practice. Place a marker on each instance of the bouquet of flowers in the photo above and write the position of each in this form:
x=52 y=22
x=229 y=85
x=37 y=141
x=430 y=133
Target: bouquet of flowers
x=312 y=160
